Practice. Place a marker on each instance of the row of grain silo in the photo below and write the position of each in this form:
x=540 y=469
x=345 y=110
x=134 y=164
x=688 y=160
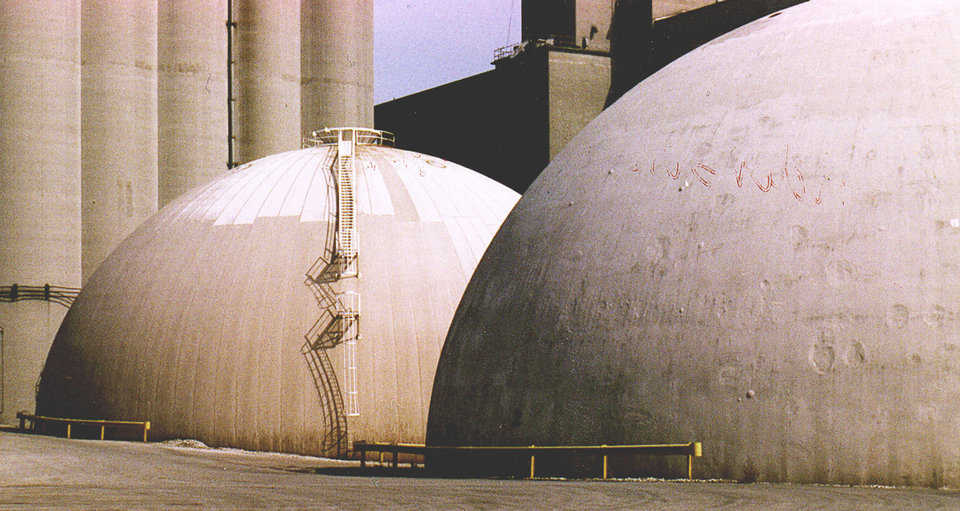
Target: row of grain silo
x=111 y=110
x=194 y=312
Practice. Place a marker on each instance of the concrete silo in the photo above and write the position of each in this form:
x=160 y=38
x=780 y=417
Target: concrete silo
x=118 y=84
x=39 y=183
x=300 y=65
x=756 y=248
x=267 y=77
x=336 y=64
x=191 y=95
x=201 y=323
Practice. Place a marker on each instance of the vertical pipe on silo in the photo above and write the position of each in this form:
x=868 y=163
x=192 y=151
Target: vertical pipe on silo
x=191 y=87
x=336 y=64
x=267 y=72
x=39 y=180
x=118 y=45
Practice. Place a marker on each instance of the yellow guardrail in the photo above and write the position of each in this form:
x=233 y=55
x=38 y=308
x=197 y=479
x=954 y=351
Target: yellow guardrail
x=37 y=420
x=690 y=450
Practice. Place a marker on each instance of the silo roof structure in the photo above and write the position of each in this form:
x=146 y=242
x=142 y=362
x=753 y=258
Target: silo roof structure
x=755 y=248
x=199 y=321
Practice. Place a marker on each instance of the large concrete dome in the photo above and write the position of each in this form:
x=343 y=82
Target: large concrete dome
x=197 y=321
x=757 y=248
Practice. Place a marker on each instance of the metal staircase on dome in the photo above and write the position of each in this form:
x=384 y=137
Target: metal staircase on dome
x=339 y=319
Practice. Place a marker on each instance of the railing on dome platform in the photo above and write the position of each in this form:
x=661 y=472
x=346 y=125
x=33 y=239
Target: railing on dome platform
x=516 y=49
x=364 y=136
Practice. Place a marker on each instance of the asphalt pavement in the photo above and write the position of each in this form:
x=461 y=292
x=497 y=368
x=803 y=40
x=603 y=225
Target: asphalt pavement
x=42 y=472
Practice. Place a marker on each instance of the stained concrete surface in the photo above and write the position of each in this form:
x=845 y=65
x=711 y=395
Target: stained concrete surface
x=40 y=472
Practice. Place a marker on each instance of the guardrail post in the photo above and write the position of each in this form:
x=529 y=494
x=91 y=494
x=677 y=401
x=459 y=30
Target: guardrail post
x=68 y=430
x=696 y=450
x=102 y=427
x=532 y=461
x=604 y=462
x=363 y=454
x=146 y=429
x=396 y=454
x=23 y=420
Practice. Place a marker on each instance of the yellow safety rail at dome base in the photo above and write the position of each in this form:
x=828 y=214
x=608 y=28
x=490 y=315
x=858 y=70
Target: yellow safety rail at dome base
x=690 y=450
x=37 y=420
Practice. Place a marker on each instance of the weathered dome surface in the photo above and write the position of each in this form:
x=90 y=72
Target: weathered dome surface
x=196 y=322
x=757 y=248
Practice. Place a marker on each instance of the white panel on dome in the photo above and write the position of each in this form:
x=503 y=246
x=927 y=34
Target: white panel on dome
x=315 y=204
x=296 y=200
x=202 y=206
x=251 y=208
x=380 y=202
x=461 y=245
x=378 y=194
x=476 y=236
x=442 y=196
x=227 y=207
x=274 y=201
x=362 y=188
x=410 y=175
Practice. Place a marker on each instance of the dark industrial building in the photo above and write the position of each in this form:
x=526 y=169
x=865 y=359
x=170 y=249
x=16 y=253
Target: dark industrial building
x=575 y=59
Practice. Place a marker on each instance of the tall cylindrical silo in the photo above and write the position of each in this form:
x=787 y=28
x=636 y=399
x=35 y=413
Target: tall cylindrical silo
x=118 y=44
x=191 y=94
x=39 y=182
x=267 y=77
x=336 y=64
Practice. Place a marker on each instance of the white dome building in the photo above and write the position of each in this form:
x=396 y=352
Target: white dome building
x=757 y=248
x=197 y=321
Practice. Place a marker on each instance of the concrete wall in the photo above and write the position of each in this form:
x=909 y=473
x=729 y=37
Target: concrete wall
x=668 y=8
x=191 y=95
x=577 y=92
x=118 y=77
x=594 y=19
x=765 y=264
x=39 y=181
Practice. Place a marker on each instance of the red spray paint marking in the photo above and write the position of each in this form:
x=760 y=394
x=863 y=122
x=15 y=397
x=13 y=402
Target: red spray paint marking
x=702 y=180
x=769 y=184
x=676 y=174
x=763 y=187
x=786 y=159
x=803 y=187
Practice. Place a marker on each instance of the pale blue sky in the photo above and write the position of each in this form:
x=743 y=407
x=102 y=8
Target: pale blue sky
x=420 y=44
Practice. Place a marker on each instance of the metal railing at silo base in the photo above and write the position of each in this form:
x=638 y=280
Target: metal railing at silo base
x=37 y=423
x=57 y=294
x=690 y=450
